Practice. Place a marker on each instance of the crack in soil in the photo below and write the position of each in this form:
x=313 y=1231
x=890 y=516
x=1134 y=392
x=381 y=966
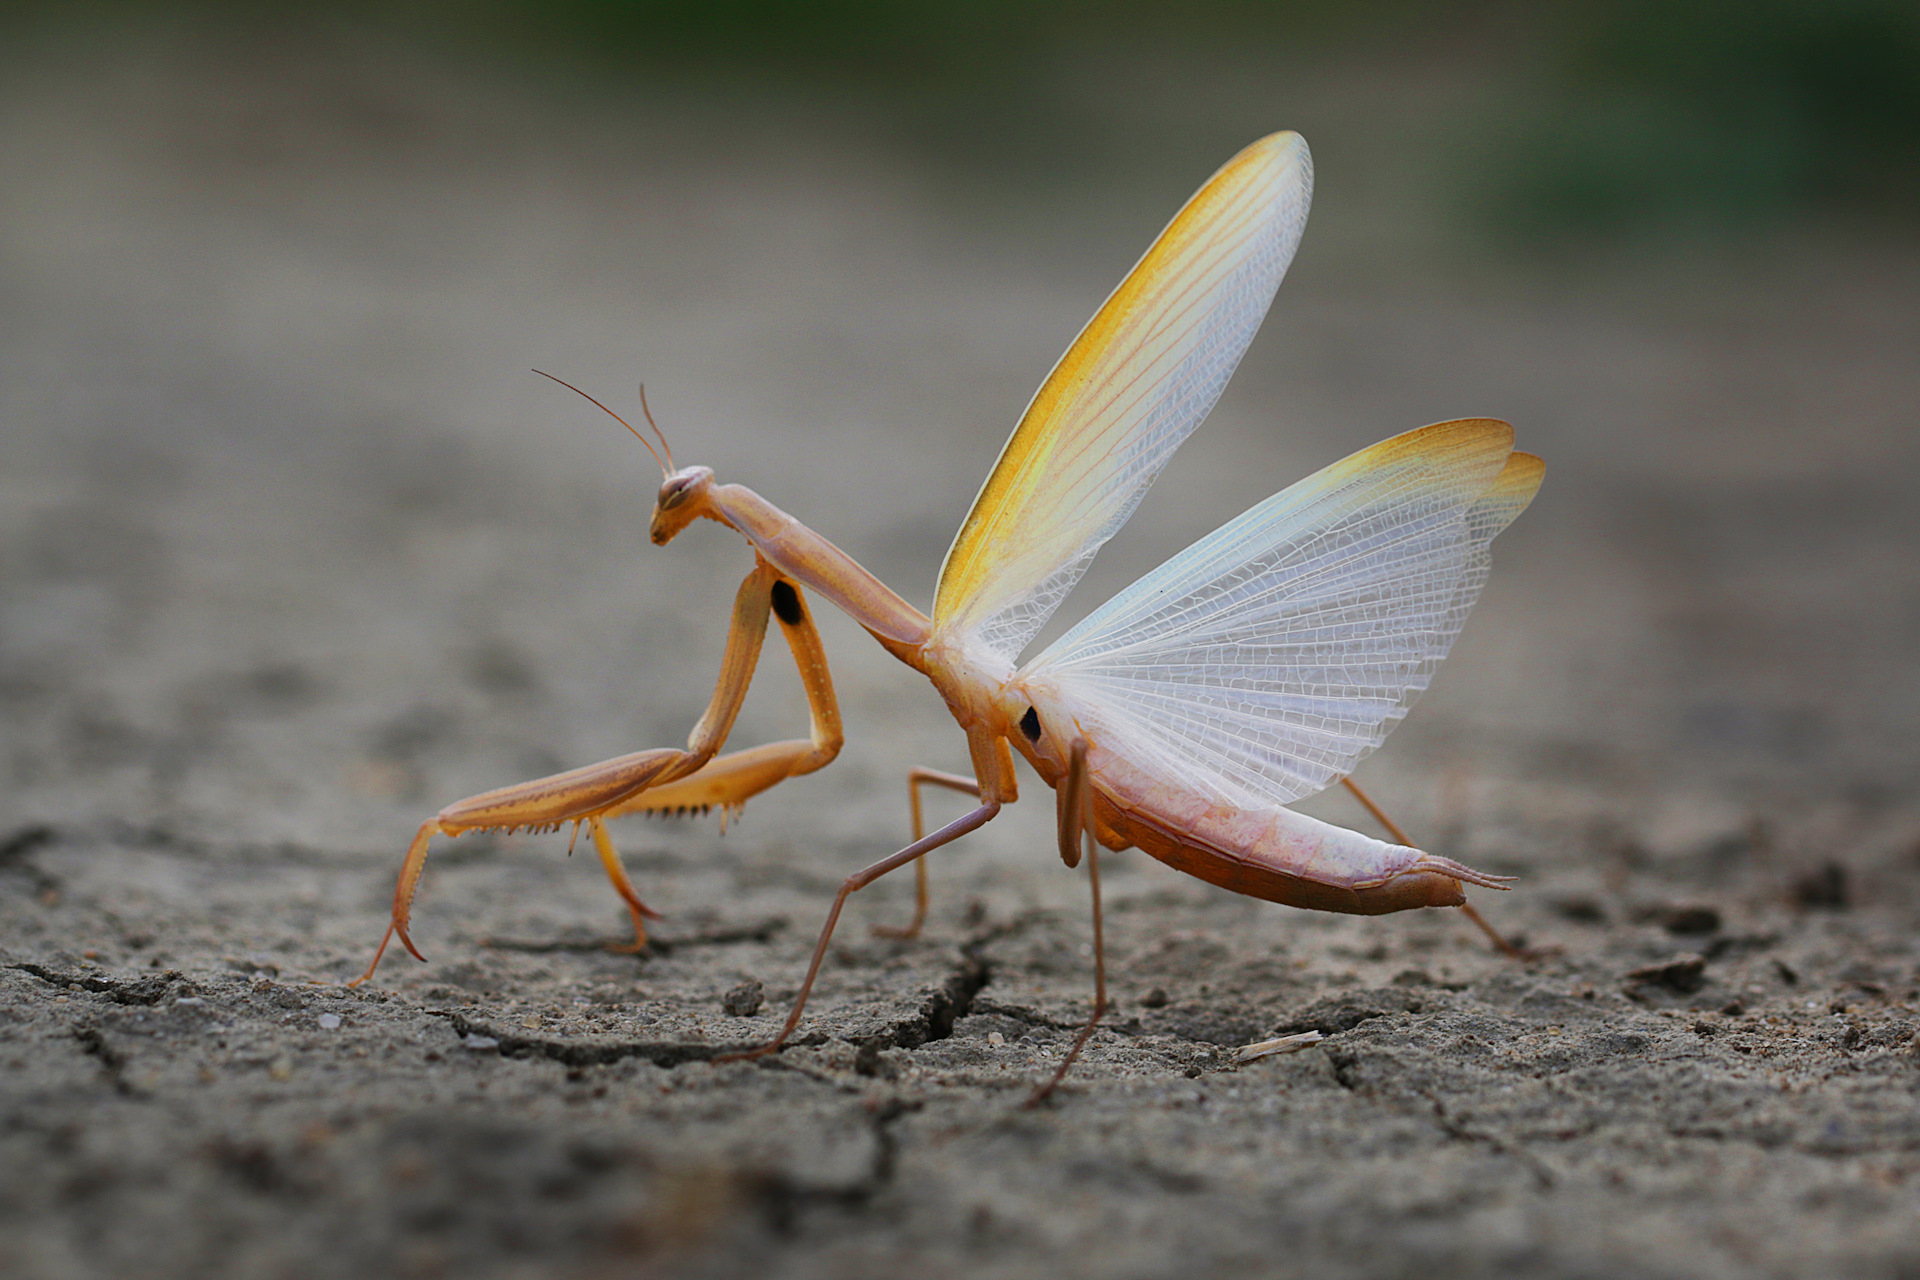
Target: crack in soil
x=1031 y=1017
x=1456 y=1129
x=784 y=1199
x=1343 y=1011
x=15 y=851
x=761 y=931
x=945 y=1004
x=1345 y=1064
x=1346 y=1069
x=146 y=991
x=661 y=1053
x=933 y=1019
x=94 y=1043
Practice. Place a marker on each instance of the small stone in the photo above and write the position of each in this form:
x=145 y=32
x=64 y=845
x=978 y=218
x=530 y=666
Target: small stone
x=1690 y=920
x=1155 y=999
x=744 y=1000
x=531 y=1022
x=329 y=1021
x=1824 y=888
x=1684 y=974
x=281 y=1069
x=995 y=1039
x=477 y=1042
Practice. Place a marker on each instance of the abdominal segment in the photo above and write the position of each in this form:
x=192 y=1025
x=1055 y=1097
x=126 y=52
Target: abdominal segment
x=1275 y=854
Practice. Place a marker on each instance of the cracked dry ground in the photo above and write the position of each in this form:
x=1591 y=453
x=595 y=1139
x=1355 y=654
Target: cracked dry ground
x=292 y=551
x=1694 y=1070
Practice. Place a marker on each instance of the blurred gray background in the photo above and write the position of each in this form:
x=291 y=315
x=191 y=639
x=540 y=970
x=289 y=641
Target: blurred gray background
x=294 y=549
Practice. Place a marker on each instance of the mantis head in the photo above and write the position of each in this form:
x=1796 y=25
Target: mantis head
x=684 y=498
x=684 y=491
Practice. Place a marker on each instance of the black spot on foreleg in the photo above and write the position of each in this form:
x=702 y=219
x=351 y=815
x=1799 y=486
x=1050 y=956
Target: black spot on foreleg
x=786 y=604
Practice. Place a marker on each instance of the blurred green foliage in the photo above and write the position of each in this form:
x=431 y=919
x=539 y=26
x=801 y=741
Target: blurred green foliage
x=1714 y=113
x=1608 y=116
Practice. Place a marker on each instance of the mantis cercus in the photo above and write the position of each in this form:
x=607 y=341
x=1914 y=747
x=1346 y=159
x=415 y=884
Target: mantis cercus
x=1255 y=668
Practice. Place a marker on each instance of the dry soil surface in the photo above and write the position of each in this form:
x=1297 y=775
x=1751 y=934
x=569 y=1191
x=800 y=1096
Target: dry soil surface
x=293 y=551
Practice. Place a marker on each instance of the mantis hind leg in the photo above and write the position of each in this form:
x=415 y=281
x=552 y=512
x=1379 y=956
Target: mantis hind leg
x=915 y=777
x=1504 y=945
x=1075 y=809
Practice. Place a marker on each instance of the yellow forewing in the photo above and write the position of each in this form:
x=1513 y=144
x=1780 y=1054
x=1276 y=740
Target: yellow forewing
x=1135 y=383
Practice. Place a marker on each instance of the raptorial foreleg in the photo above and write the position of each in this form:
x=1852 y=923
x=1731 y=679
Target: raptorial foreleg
x=729 y=781
x=597 y=790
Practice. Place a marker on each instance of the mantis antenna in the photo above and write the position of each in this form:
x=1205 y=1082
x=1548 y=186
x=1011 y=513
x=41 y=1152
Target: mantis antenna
x=667 y=448
x=666 y=465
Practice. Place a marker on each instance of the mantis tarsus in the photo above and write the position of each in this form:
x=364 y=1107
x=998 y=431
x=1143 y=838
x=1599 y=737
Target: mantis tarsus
x=1256 y=667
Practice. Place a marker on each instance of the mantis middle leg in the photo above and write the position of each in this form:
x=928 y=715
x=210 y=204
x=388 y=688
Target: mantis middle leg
x=678 y=778
x=1074 y=806
x=915 y=777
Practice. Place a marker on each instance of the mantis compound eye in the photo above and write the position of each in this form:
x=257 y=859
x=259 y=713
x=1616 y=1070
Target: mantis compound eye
x=681 y=485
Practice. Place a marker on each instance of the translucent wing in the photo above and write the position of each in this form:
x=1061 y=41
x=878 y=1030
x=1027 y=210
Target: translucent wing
x=1135 y=383
x=1266 y=660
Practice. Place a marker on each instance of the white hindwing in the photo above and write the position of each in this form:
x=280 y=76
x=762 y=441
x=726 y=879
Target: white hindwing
x=1266 y=660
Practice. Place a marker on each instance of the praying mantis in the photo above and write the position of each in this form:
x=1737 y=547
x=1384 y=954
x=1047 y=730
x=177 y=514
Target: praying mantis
x=1184 y=715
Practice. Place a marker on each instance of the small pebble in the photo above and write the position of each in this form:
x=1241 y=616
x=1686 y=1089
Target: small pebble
x=329 y=1021
x=479 y=1043
x=995 y=1038
x=281 y=1069
x=531 y=1022
x=744 y=1000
